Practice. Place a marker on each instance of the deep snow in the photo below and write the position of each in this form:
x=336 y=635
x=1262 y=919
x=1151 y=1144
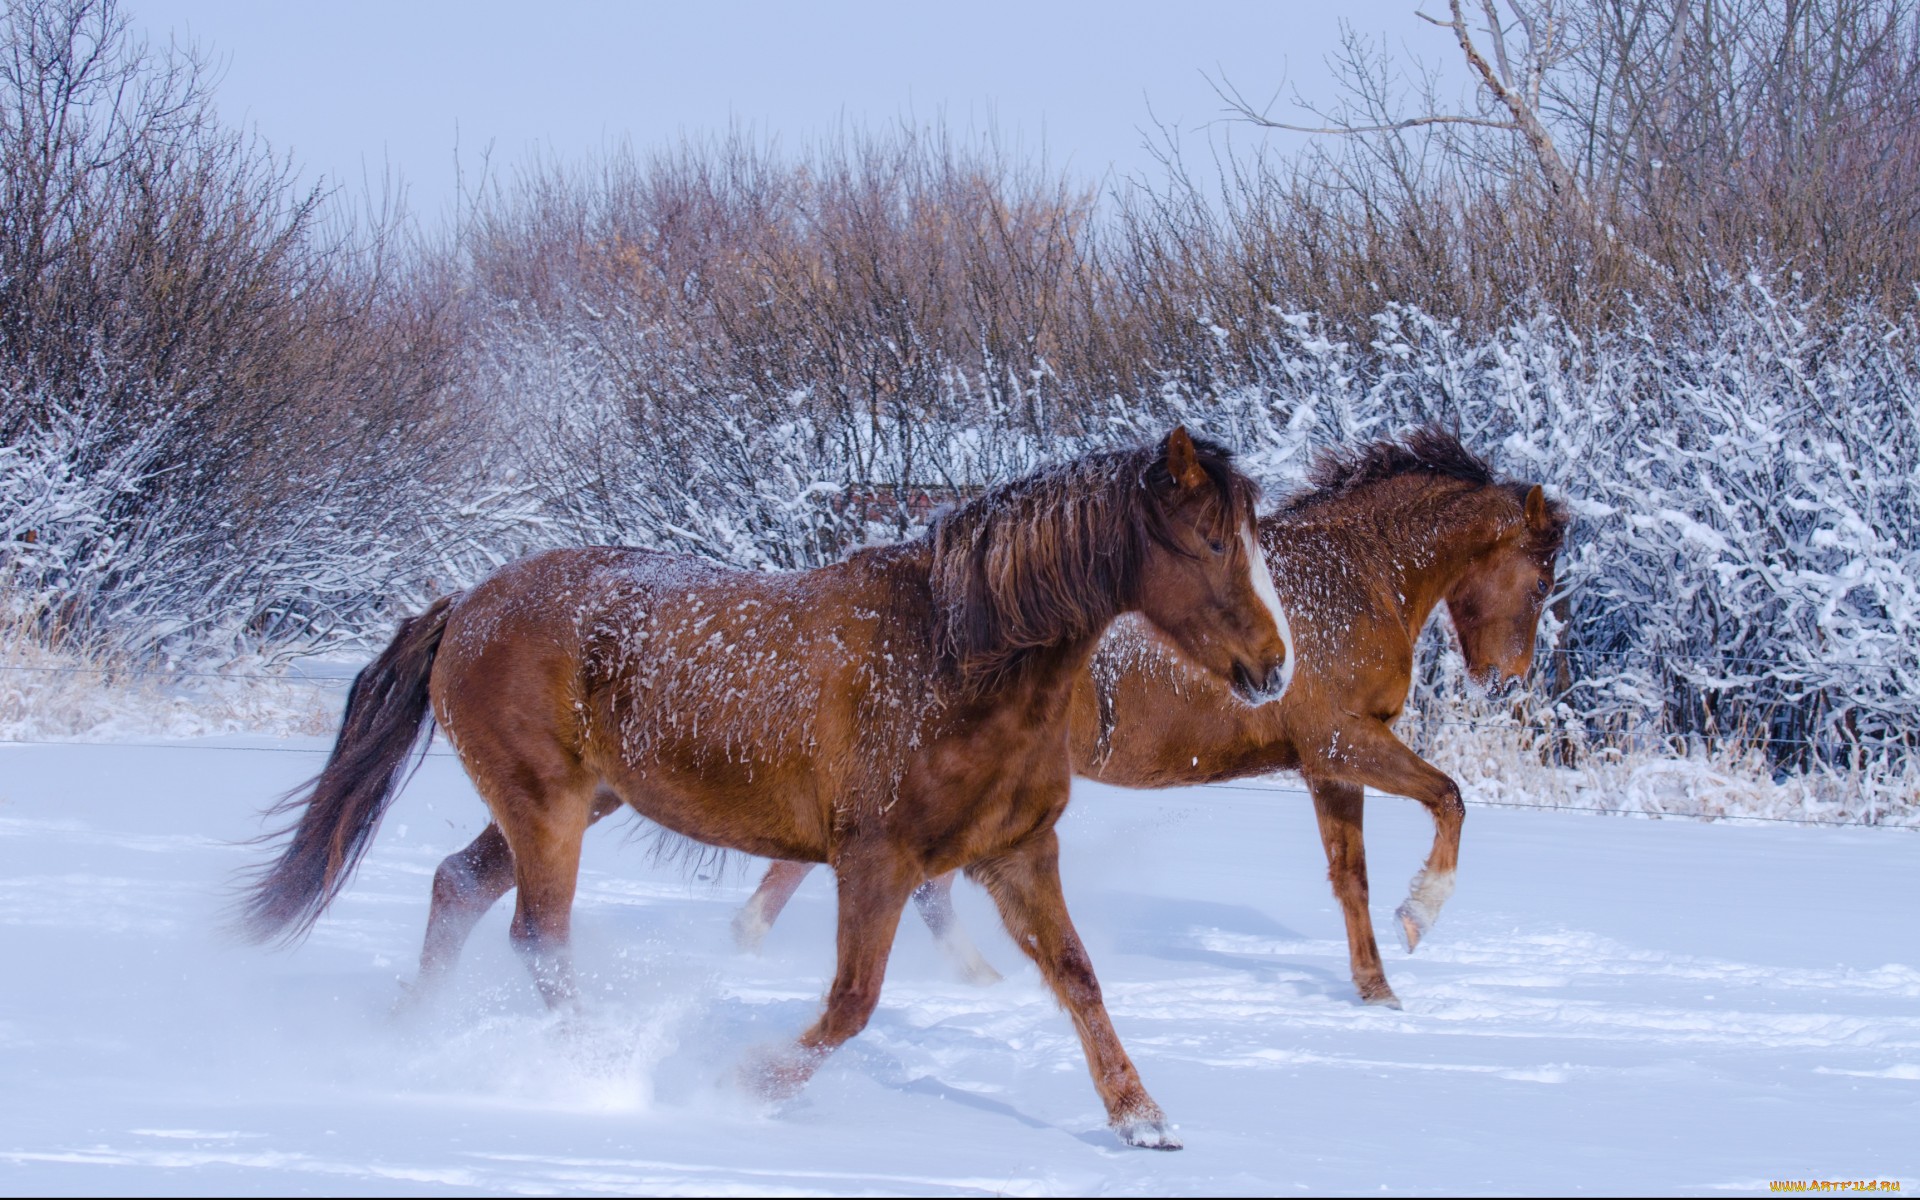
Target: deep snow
x=1607 y=1004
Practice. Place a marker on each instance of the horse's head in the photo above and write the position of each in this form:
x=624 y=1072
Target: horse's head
x=1204 y=580
x=1496 y=602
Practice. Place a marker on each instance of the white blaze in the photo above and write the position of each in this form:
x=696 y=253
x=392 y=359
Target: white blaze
x=1261 y=575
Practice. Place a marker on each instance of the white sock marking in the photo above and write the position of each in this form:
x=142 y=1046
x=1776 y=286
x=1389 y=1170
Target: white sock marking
x=1425 y=896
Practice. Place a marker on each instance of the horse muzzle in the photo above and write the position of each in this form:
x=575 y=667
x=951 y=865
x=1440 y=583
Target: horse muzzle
x=1261 y=685
x=1495 y=682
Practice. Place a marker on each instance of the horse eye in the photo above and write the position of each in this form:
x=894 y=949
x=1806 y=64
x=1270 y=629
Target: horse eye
x=1217 y=546
x=1546 y=585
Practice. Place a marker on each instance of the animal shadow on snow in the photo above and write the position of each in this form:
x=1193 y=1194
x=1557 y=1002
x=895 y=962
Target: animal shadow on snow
x=1168 y=929
x=891 y=1072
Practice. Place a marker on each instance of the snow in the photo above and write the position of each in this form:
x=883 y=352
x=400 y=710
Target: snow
x=1608 y=1004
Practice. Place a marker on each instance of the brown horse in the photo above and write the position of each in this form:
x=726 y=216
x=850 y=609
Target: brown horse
x=899 y=715
x=1360 y=560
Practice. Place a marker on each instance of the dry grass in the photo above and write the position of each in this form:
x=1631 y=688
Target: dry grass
x=49 y=694
x=1503 y=755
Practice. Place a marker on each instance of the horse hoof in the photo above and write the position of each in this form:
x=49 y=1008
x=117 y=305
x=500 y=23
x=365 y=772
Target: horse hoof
x=412 y=1000
x=748 y=933
x=981 y=975
x=1410 y=928
x=1383 y=1000
x=1148 y=1133
x=776 y=1075
x=1141 y=1123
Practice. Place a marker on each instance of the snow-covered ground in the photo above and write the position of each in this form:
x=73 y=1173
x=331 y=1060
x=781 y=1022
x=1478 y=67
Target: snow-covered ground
x=1607 y=1005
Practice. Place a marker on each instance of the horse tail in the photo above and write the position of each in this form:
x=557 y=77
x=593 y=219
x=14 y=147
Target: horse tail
x=388 y=714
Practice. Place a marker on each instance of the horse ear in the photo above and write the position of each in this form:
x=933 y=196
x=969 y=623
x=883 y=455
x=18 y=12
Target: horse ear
x=1183 y=461
x=1536 y=508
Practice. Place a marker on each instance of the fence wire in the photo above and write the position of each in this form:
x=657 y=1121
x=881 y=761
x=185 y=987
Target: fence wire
x=1229 y=787
x=1414 y=722
x=1546 y=725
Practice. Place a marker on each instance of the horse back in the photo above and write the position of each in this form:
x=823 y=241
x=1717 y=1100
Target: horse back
x=744 y=709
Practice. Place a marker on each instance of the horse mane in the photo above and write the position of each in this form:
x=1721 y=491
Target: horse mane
x=1056 y=555
x=1429 y=450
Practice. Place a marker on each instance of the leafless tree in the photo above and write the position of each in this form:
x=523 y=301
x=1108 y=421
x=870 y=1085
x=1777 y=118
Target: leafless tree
x=1511 y=56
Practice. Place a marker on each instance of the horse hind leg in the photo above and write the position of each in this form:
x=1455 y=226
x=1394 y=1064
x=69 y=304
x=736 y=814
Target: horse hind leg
x=465 y=886
x=762 y=909
x=542 y=801
x=934 y=899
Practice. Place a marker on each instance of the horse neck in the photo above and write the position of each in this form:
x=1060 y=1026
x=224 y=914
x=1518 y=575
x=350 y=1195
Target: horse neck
x=1433 y=536
x=1047 y=673
x=1050 y=672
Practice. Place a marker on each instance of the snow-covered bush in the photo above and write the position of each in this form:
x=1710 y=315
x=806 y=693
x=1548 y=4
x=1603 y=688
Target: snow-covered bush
x=630 y=447
x=1738 y=580
x=1741 y=571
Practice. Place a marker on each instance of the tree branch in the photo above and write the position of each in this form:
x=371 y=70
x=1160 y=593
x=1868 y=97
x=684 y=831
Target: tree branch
x=1409 y=123
x=1560 y=180
x=1238 y=104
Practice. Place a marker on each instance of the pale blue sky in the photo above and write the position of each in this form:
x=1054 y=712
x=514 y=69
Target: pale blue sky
x=350 y=84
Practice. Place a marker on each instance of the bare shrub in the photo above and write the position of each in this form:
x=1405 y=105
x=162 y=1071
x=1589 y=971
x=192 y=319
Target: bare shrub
x=1616 y=159
x=806 y=344
x=244 y=392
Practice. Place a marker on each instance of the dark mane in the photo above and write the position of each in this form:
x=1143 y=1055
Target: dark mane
x=1429 y=450
x=1057 y=555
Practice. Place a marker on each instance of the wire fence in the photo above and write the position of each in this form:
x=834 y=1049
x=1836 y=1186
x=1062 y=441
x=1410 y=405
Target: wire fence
x=1546 y=724
x=119 y=675
x=1633 y=738
x=1267 y=789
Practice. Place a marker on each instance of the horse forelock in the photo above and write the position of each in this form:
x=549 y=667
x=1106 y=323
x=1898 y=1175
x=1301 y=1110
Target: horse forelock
x=1236 y=495
x=1056 y=555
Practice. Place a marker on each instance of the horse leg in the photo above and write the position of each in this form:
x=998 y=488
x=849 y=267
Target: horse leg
x=543 y=809
x=873 y=892
x=467 y=884
x=1372 y=756
x=1430 y=887
x=934 y=899
x=1340 y=807
x=1025 y=883
x=762 y=909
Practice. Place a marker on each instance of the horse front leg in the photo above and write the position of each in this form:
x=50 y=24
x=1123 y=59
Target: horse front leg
x=934 y=899
x=1025 y=883
x=1340 y=807
x=1364 y=752
x=874 y=885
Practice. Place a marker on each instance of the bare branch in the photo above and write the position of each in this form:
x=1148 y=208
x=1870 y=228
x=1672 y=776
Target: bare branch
x=1395 y=127
x=1560 y=180
x=1499 y=37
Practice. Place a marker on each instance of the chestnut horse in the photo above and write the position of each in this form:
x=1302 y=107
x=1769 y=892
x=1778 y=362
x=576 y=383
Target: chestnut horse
x=898 y=715
x=1360 y=560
